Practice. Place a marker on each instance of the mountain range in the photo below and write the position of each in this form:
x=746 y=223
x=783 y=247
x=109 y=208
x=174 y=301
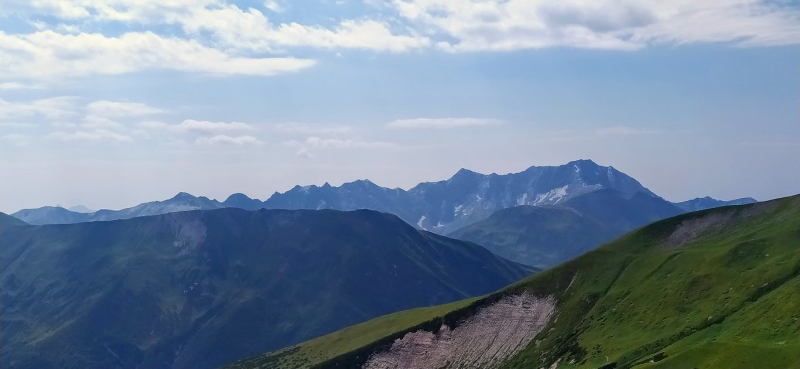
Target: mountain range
x=718 y=288
x=703 y=203
x=199 y=289
x=441 y=207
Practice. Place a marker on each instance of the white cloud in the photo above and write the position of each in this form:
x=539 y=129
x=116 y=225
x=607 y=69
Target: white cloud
x=503 y=25
x=53 y=108
x=441 y=123
x=47 y=54
x=251 y=30
x=105 y=108
x=97 y=134
x=274 y=6
x=304 y=153
x=18 y=86
x=197 y=126
x=96 y=121
x=346 y=144
x=228 y=140
x=231 y=26
x=312 y=129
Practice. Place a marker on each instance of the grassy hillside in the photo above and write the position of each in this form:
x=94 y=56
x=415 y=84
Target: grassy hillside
x=204 y=288
x=712 y=289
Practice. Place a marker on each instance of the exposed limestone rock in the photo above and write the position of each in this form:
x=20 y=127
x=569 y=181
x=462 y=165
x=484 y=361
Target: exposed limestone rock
x=485 y=340
x=693 y=228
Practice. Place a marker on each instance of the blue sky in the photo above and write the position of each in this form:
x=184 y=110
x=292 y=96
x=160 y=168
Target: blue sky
x=113 y=103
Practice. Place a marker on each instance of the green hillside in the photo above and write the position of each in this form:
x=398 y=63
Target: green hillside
x=718 y=288
x=204 y=288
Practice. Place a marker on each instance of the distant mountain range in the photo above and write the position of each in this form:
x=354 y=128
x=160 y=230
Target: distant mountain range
x=199 y=289
x=441 y=207
x=544 y=236
x=703 y=203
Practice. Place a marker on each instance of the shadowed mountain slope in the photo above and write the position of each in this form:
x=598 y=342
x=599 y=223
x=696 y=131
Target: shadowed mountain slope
x=202 y=288
x=543 y=236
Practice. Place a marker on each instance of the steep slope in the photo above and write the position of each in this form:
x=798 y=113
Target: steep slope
x=58 y=215
x=702 y=203
x=543 y=236
x=199 y=289
x=8 y=220
x=718 y=288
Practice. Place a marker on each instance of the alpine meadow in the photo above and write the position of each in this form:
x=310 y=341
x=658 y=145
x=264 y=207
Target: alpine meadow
x=399 y=184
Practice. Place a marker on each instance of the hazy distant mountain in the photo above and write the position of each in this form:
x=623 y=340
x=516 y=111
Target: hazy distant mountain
x=467 y=197
x=199 y=289
x=51 y=215
x=80 y=209
x=702 y=203
x=441 y=207
x=58 y=215
x=544 y=236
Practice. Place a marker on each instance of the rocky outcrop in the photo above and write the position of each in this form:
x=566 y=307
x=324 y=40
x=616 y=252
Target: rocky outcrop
x=485 y=340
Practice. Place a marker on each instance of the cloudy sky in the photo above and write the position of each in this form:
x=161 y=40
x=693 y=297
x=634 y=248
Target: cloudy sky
x=109 y=103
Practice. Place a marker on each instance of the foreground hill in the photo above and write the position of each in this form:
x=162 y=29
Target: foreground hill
x=203 y=288
x=713 y=289
x=544 y=236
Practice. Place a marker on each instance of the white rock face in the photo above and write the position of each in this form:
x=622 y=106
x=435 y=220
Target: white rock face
x=485 y=340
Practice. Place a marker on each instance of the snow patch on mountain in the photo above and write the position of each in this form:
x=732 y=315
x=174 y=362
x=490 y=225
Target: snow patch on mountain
x=551 y=197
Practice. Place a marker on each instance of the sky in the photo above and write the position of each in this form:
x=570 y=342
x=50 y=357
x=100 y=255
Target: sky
x=110 y=103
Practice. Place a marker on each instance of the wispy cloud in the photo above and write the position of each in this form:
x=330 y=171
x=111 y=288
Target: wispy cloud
x=107 y=108
x=19 y=86
x=312 y=129
x=228 y=140
x=95 y=135
x=198 y=126
x=441 y=123
x=53 y=108
x=46 y=54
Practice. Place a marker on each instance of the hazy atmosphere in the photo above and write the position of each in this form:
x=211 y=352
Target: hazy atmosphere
x=112 y=103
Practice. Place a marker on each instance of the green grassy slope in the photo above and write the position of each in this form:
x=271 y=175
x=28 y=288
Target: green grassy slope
x=724 y=297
